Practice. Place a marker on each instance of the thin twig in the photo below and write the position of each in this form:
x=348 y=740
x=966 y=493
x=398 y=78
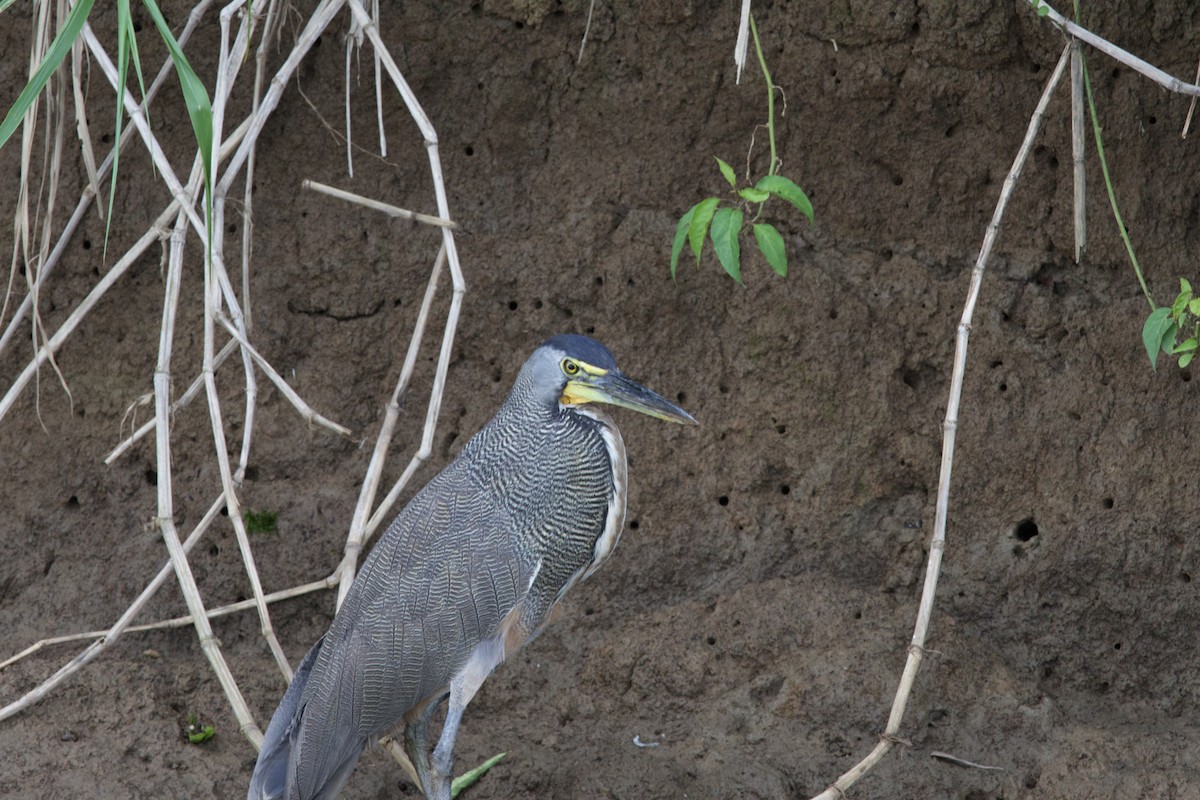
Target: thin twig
x=937 y=544
x=1187 y=123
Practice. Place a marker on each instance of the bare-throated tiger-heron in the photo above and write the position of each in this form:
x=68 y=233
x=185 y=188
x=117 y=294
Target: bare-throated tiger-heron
x=467 y=573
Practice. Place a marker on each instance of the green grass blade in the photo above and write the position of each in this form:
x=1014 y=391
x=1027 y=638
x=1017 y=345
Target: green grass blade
x=124 y=34
x=726 y=225
x=54 y=57
x=195 y=97
x=700 y=220
x=772 y=247
x=784 y=189
x=468 y=778
x=681 y=236
x=728 y=172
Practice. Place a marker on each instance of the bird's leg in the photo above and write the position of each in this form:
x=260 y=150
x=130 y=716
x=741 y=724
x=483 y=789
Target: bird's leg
x=416 y=743
x=462 y=689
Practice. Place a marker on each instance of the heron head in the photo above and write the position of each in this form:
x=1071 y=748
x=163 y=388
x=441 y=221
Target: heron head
x=577 y=370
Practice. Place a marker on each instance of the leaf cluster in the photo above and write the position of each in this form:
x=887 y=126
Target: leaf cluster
x=1166 y=324
x=724 y=225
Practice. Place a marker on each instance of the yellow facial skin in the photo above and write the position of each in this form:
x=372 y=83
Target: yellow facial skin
x=591 y=384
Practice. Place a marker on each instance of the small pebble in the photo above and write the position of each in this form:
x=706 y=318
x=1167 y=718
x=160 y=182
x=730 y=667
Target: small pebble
x=150 y=652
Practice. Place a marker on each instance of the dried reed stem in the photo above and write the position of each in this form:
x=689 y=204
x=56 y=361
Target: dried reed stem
x=376 y=205
x=349 y=562
x=937 y=544
x=1078 y=148
x=1164 y=79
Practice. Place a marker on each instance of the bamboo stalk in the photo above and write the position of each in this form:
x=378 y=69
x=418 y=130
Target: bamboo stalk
x=937 y=544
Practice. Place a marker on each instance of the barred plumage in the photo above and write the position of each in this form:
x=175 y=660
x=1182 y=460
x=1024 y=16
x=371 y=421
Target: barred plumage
x=468 y=572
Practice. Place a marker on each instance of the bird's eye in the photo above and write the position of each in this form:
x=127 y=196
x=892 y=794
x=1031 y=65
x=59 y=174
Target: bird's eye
x=570 y=367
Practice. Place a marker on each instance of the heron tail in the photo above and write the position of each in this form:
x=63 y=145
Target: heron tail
x=269 y=781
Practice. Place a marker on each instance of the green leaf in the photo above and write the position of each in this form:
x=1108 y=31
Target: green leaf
x=726 y=226
x=728 y=172
x=772 y=247
x=467 y=778
x=681 y=235
x=703 y=215
x=1181 y=303
x=54 y=56
x=1186 y=359
x=1167 y=342
x=195 y=98
x=1194 y=307
x=1185 y=346
x=1184 y=286
x=784 y=189
x=1156 y=325
x=754 y=195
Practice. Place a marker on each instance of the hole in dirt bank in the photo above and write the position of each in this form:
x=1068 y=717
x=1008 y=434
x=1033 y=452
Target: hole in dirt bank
x=1185 y=577
x=785 y=489
x=512 y=305
x=1025 y=530
x=712 y=640
x=1003 y=387
x=152 y=477
x=72 y=502
x=1031 y=781
x=87 y=244
x=1186 y=377
x=1107 y=502
x=469 y=150
x=781 y=429
x=214 y=551
x=633 y=525
x=723 y=500
x=1116 y=645
x=537 y=304
x=833 y=313
x=681 y=397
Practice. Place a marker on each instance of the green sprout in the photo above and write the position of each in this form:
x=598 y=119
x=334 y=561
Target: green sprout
x=196 y=732
x=724 y=225
x=260 y=521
